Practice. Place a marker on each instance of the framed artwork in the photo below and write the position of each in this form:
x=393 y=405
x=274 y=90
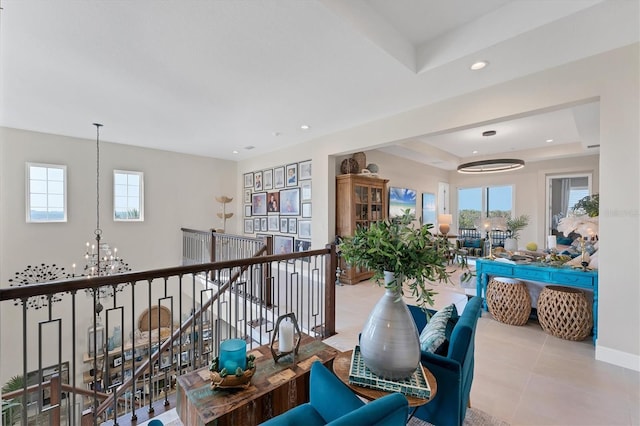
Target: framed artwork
x=284 y=224
x=257 y=181
x=256 y=224
x=306 y=209
x=273 y=202
x=263 y=224
x=273 y=223
x=117 y=361
x=428 y=208
x=278 y=177
x=259 y=204
x=292 y=174
x=247 y=210
x=293 y=225
x=248 y=180
x=303 y=245
x=282 y=245
x=304 y=228
x=267 y=179
x=401 y=199
x=247 y=195
x=290 y=202
x=248 y=226
x=305 y=170
x=305 y=188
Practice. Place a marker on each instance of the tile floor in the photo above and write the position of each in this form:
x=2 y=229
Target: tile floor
x=522 y=375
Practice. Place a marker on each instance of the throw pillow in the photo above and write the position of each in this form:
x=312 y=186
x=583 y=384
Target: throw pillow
x=433 y=335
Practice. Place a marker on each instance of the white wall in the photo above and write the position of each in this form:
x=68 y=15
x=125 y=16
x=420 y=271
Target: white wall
x=179 y=192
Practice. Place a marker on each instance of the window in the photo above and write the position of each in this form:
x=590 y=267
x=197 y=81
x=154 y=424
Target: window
x=476 y=203
x=128 y=196
x=46 y=193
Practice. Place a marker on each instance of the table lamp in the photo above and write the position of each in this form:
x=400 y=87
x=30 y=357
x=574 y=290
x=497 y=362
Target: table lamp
x=444 y=223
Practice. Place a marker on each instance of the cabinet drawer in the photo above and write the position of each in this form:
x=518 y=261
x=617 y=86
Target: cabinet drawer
x=495 y=269
x=533 y=275
x=573 y=279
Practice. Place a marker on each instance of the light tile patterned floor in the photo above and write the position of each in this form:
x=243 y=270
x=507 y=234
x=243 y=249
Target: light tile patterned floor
x=522 y=375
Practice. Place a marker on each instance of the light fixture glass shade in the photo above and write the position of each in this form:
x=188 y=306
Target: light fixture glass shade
x=491 y=166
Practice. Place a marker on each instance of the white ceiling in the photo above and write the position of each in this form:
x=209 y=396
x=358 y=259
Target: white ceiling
x=210 y=77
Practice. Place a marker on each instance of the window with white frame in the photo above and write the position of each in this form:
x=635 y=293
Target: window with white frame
x=128 y=196
x=481 y=202
x=46 y=192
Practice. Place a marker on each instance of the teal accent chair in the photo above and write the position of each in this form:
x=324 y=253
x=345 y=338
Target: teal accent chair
x=453 y=371
x=333 y=403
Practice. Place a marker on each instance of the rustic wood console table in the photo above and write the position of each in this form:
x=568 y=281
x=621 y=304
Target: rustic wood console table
x=275 y=388
x=570 y=277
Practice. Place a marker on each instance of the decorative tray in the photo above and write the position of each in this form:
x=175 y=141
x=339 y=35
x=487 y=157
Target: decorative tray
x=360 y=375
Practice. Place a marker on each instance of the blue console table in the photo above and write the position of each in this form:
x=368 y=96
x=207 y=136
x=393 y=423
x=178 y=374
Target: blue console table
x=587 y=280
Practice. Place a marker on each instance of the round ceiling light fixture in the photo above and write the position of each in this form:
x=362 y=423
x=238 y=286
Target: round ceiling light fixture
x=476 y=66
x=491 y=166
x=489 y=133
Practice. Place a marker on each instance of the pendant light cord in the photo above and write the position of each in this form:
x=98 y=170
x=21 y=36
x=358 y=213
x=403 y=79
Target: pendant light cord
x=98 y=231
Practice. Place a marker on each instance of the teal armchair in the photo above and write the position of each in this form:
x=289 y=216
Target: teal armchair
x=333 y=403
x=454 y=369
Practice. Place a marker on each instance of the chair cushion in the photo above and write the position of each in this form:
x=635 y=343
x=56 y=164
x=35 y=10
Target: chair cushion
x=434 y=334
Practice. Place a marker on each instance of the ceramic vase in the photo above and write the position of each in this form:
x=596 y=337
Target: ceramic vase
x=389 y=342
x=511 y=244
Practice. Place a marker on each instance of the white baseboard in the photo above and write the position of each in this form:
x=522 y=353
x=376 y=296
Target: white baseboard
x=619 y=358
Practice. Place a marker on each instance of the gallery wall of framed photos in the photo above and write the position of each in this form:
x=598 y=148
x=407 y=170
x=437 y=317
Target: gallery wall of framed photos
x=277 y=202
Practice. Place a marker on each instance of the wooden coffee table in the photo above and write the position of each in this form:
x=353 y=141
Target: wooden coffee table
x=342 y=365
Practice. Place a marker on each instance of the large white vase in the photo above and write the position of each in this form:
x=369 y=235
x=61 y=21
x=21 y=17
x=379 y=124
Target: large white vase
x=510 y=244
x=389 y=342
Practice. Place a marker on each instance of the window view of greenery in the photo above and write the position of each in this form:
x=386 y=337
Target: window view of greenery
x=477 y=203
x=46 y=201
x=127 y=195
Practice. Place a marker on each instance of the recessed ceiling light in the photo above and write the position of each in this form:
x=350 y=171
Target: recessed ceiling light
x=489 y=133
x=549 y=140
x=235 y=151
x=305 y=127
x=249 y=147
x=478 y=65
x=276 y=133
x=475 y=152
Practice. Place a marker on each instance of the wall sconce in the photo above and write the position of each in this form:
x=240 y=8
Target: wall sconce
x=288 y=334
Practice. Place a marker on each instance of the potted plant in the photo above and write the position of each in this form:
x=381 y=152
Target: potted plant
x=515 y=225
x=398 y=253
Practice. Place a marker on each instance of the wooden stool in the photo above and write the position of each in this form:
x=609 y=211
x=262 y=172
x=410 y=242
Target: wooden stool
x=565 y=312
x=509 y=301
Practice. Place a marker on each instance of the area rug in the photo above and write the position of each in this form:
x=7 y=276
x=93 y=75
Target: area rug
x=474 y=417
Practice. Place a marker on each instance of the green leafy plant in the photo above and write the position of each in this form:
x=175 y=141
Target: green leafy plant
x=412 y=253
x=12 y=408
x=517 y=224
x=589 y=205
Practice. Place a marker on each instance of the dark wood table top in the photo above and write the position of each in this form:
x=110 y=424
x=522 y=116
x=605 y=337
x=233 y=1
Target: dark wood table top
x=342 y=365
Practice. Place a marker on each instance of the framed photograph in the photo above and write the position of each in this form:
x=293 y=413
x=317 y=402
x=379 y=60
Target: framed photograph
x=247 y=210
x=306 y=209
x=128 y=355
x=248 y=180
x=259 y=204
x=256 y=224
x=428 y=208
x=247 y=195
x=273 y=223
x=165 y=360
x=263 y=224
x=282 y=245
x=290 y=202
x=284 y=224
x=303 y=245
x=305 y=188
x=267 y=179
x=304 y=228
x=248 y=226
x=401 y=199
x=273 y=202
x=293 y=225
x=305 y=170
x=257 y=181
x=278 y=177
x=117 y=361
x=292 y=174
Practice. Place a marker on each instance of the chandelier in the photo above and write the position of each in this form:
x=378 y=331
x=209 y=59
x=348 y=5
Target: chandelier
x=100 y=258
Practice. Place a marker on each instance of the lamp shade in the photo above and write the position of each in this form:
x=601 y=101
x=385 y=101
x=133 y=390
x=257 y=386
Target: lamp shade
x=444 y=222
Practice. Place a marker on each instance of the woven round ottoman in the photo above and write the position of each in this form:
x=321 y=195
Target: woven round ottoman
x=508 y=300
x=564 y=312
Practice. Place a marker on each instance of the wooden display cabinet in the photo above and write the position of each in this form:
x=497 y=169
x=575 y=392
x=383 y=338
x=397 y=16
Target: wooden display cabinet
x=360 y=200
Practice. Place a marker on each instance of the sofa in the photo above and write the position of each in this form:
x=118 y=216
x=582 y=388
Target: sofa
x=331 y=402
x=452 y=367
